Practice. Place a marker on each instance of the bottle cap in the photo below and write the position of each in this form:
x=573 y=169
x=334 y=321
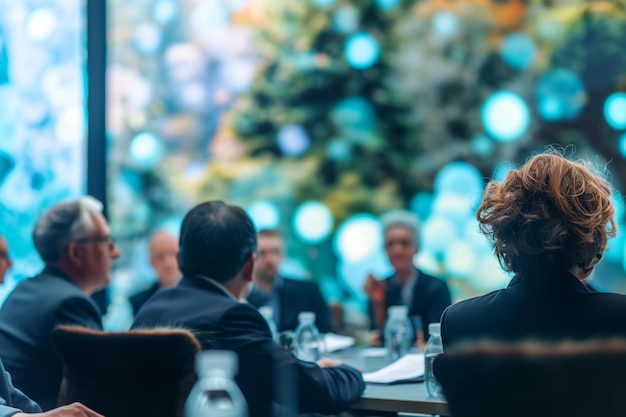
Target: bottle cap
x=398 y=311
x=434 y=328
x=267 y=312
x=306 y=316
x=209 y=361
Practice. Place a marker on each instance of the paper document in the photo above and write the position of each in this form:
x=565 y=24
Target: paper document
x=409 y=368
x=334 y=342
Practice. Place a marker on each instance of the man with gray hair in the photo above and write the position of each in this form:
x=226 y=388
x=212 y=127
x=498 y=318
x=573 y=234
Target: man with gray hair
x=425 y=296
x=73 y=240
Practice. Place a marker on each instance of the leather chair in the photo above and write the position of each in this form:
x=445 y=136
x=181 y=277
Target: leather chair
x=127 y=374
x=535 y=379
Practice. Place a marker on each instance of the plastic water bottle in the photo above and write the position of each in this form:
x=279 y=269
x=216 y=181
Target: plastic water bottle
x=216 y=394
x=398 y=332
x=434 y=348
x=268 y=314
x=308 y=343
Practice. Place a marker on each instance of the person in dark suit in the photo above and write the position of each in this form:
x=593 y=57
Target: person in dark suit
x=287 y=297
x=163 y=249
x=73 y=240
x=549 y=222
x=425 y=296
x=13 y=403
x=217 y=255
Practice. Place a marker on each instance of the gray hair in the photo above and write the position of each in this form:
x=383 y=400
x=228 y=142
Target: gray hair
x=65 y=222
x=402 y=218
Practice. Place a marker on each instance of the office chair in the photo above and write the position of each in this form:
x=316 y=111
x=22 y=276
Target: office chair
x=127 y=374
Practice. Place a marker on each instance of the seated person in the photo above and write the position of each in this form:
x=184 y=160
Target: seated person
x=13 y=403
x=73 y=240
x=217 y=255
x=287 y=297
x=549 y=222
x=163 y=249
x=425 y=296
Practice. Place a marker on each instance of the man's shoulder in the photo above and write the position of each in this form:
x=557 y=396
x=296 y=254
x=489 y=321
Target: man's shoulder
x=431 y=280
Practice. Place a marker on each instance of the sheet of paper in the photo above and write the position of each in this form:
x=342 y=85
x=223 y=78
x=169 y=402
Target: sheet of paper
x=334 y=342
x=408 y=368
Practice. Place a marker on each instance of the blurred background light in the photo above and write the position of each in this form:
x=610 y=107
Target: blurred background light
x=209 y=16
x=147 y=150
x=358 y=237
x=164 y=11
x=518 y=50
x=482 y=145
x=437 y=233
x=560 y=95
x=445 y=24
x=148 y=38
x=338 y=150
x=41 y=24
x=489 y=276
x=387 y=4
x=70 y=126
x=313 y=222
x=346 y=19
x=293 y=140
x=421 y=204
x=615 y=110
x=361 y=50
x=505 y=116
x=502 y=169
x=460 y=178
x=354 y=113
x=264 y=214
x=460 y=258
x=622 y=145
x=324 y=4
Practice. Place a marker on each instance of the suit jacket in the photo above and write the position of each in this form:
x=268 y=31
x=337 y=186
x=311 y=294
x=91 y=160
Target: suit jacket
x=30 y=312
x=266 y=371
x=140 y=298
x=295 y=297
x=431 y=296
x=13 y=400
x=551 y=306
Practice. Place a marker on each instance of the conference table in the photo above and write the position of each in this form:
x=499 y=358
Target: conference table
x=379 y=399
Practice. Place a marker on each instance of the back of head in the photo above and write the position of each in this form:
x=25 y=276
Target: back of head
x=65 y=222
x=551 y=213
x=215 y=241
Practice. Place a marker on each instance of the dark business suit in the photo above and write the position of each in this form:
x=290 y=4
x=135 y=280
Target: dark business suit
x=140 y=298
x=220 y=322
x=551 y=306
x=13 y=400
x=30 y=312
x=430 y=298
x=295 y=297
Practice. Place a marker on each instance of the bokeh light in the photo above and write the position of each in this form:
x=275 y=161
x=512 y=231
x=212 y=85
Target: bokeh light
x=41 y=24
x=622 y=145
x=358 y=237
x=264 y=214
x=313 y=222
x=615 y=110
x=505 y=116
x=560 y=95
x=293 y=140
x=460 y=258
x=460 y=178
x=338 y=150
x=437 y=233
x=445 y=24
x=148 y=38
x=518 y=50
x=70 y=126
x=346 y=19
x=209 y=16
x=361 y=50
x=489 y=275
x=482 y=145
x=354 y=113
x=324 y=4
x=164 y=11
x=502 y=169
x=421 y=204
x=147 y=150
x=387 y=4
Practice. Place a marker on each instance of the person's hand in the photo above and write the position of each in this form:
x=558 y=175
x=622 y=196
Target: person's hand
x=375 y=288
x=328 y=363
x=72 y=410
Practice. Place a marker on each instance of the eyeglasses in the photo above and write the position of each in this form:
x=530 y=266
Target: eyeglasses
x=99 y=239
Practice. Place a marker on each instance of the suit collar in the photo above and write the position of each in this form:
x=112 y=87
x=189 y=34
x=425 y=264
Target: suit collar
x=205 y=283
x=559 y=279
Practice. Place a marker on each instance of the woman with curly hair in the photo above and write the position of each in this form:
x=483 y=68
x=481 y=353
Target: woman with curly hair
x=549 y=223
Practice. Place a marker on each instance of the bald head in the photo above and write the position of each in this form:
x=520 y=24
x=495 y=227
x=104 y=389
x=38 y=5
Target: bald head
x=164 y=258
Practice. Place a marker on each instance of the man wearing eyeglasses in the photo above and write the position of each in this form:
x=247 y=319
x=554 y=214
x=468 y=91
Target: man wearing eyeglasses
x=74 y=242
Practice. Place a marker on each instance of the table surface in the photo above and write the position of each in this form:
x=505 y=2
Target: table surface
x=398 y=398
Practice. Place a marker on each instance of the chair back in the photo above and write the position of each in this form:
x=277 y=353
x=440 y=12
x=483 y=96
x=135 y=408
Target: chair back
x=535 y=379
x=127 y=374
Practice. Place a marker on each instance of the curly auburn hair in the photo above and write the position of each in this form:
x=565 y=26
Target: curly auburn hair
x=550 y=213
